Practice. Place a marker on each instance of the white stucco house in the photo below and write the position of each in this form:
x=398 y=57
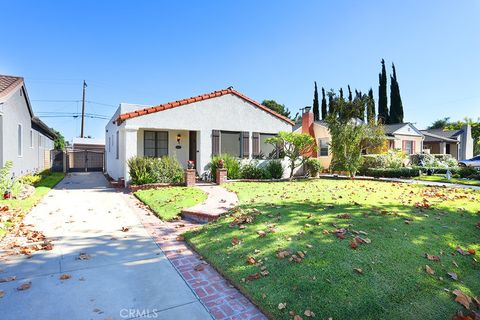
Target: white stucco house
x=195 y=128
x=24 y=139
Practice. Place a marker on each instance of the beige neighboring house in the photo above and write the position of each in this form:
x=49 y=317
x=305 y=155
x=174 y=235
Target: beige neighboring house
x=405 y=137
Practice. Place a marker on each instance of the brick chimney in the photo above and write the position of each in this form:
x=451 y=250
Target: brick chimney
x=307 y=125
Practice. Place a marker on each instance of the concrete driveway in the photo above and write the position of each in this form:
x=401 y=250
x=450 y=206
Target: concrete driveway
x=123 y=275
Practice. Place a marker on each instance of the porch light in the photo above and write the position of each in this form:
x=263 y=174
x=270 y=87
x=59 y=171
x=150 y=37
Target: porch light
x=179 y=136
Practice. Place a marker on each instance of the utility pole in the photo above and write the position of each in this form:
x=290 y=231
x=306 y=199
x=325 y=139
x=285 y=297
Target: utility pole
x=83 y=108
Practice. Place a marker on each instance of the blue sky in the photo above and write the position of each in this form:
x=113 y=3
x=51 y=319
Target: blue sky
x=150 y=52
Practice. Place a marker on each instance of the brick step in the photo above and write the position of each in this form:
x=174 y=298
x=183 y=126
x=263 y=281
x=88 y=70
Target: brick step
x=199 y=216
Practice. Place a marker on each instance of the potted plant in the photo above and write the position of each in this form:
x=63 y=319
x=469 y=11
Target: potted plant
x=191 y=164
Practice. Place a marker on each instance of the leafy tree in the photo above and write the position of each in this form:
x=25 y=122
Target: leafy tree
x=324 y=104
x=396 y=106
x=351 y=138
x=59 y=142
x=370 y=107
x=295 y=146
x=277 y=107
x=316 y=111
x=440 y=123
x=382 y=96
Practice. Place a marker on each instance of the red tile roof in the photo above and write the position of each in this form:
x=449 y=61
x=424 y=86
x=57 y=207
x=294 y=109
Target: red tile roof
x=8 y=83
x=202 y=97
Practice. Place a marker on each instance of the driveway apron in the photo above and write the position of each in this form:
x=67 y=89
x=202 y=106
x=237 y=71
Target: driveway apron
x=116 y=270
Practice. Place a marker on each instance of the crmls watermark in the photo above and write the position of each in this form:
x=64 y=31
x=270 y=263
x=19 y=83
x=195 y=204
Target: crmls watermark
x=134 y=313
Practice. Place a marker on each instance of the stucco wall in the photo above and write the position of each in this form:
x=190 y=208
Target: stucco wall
x=321 y=132
x=14 y=111
x=227 y=112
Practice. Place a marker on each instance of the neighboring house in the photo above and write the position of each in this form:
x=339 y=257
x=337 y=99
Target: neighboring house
x=89 y=144
x=319 y=131
x=458 y=143
x=405 y=137
x=24 y=139
x=195 y=128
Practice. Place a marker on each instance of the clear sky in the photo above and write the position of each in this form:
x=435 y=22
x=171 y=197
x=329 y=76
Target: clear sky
x=151 y=52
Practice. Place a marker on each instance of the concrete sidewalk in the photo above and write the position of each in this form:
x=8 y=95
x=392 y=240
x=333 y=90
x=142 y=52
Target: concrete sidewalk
x=125 y=274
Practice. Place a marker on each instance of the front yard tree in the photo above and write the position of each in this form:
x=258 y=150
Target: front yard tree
x=324 y=105
x=370 y=107
x=382 y=96
x=295 y=146
x=396 y=106
x=350 y=138
x=316 y=105
x=277 y=107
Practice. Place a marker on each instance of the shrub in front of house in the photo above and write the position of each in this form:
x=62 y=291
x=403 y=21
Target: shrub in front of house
x=274 y=169
x=313 y=167
x=390 y=159
x=251 y=170
x=231 y=163
x=433 y=160
x=469 y=173
x=392 y=172
x=437 y=170
x=144 y=170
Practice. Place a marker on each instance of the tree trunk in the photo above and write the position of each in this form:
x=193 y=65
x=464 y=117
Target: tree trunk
x=292 y=167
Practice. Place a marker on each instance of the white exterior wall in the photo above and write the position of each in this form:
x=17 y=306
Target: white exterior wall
x=227 y=112
x=14 y=111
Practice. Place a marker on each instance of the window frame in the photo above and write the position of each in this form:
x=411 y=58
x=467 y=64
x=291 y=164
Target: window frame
x=320 y=149
x=412 y=151
x=20 y=140
x=240 y=142
x=261 y=153
x=156 y=140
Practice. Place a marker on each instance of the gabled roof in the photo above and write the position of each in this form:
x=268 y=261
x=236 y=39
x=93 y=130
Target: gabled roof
x=434 y=137
x=452 y=134
x=215 y=94
x=8 y=84
x=391 y=129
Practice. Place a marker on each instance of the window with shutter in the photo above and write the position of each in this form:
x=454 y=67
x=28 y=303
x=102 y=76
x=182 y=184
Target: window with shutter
x=215 y=142
x=246 y=144
x=255 y=145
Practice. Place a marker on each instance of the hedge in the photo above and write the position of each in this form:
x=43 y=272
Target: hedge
x=392 y=172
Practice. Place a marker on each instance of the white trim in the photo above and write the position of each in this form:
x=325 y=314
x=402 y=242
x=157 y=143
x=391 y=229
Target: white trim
x=20 y=140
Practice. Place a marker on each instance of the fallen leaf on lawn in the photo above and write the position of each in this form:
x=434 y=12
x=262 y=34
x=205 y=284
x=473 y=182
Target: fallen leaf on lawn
x=125 y=229
x=432 y=258
x=462 y=252
x=261 y=233
x=253 y=276
x=8 y=279
x=455 y=264
x=281 y=306
x=65 y=276
x=309 y=313
x=462 y=298
x=460 y=316
x=2 y=293
x=453 y=275
x=477 y=300
x=301 y=254
x=24 y=286
x=283 y=254
x=358 y=270
x=429 y=270
x=471 y=251
x=297 y=317
x=251 y=260
x=344 y=216
x=291 y=313
x=199 y=267
x=363 y=240
x=235 y=241
x=83 y=256
x=353 y=244
x=309 y=246
x=264 y=273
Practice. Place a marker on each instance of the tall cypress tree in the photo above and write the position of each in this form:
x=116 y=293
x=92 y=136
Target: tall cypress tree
x=396 y=107
x=350 y=98
x=370 y=107
x=324 y=105
x=341 y=93
x=331 y=102
x=382 y=96
x=316 y=111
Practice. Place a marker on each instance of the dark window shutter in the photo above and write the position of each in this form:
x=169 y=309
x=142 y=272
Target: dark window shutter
x=246 y=144
x=255 y=144
x=215 y=142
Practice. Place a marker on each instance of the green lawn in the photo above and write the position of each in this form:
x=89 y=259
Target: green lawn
x=442 y=178
x=41 y=189
x=168 y=202
x=304 y=215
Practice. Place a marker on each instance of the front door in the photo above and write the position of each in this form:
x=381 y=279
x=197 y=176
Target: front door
x=192 y=149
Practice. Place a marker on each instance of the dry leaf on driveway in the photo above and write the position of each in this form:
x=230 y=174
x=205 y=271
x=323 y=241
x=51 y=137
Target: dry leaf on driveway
x=125 y=229
x=8 y=279
x=462 y=298
x=199 y=267
x=2 y=293
x=24 y=286
x=65 y=276
x=83 y=256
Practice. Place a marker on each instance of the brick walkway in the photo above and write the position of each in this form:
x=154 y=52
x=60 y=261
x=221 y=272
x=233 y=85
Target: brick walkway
x=222 y=300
